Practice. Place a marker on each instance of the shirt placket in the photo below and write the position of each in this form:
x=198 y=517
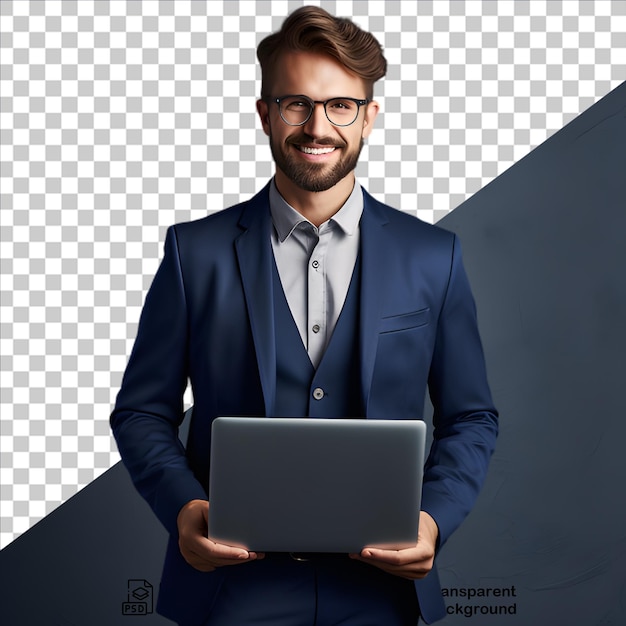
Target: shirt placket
x=317 y=310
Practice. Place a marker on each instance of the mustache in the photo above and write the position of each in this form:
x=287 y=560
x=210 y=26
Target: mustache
x=303 y=138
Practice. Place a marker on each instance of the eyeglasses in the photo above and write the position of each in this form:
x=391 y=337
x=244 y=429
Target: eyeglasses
x=297 y=110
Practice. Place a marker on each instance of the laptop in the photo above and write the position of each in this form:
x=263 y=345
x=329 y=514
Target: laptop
x=315 y=485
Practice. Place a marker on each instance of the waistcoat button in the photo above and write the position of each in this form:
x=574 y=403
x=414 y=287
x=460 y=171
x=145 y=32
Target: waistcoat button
x=318 y=393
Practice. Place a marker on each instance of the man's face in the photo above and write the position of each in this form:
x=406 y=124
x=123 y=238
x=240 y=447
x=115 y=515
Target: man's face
x=316 y=155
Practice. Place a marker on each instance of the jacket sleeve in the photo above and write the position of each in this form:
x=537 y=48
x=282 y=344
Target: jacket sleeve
x=464 y=419
x=149 y=405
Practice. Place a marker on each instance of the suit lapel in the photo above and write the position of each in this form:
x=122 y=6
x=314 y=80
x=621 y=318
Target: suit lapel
x=254 y=253
x=374 y=252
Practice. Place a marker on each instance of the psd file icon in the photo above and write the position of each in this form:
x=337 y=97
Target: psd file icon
x=139 y=600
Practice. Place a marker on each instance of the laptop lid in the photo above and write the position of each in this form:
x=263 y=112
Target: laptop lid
x=315 y=485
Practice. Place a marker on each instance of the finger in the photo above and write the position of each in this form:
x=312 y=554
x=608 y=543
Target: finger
x=387 y=562
x=223 y=551
x=395 y=557
x=410 y=563
x=219 y=554
x=203 y=553
x=204 y=563
x=410 y=571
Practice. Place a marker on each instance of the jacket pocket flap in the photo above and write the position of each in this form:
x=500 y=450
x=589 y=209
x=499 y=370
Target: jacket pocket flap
x=405 y=321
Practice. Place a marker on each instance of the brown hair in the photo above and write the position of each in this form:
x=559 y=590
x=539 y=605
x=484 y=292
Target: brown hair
x=311 y=29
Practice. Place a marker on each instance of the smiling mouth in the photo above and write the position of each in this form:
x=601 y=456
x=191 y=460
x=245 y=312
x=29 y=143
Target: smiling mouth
x=308 y=150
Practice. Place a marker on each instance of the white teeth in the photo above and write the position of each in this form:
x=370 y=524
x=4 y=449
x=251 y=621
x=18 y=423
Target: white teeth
x=316 y=150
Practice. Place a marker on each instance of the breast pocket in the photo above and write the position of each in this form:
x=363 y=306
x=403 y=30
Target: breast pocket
x=407 y=321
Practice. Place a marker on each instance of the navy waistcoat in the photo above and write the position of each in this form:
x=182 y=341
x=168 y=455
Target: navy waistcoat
x=333 y=390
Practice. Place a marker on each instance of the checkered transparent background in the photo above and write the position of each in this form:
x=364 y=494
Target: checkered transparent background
x=119 y=118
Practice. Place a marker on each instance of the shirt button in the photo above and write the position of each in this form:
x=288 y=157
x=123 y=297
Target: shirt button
x=316 y=328
x=315 y=264
x=318 y=393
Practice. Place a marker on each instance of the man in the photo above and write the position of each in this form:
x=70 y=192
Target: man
x=312 y=299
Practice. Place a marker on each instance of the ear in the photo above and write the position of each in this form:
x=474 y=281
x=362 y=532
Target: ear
x=264 y=114
x=371 y=111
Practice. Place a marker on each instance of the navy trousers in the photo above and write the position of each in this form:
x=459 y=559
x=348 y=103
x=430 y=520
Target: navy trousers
x=327 y=590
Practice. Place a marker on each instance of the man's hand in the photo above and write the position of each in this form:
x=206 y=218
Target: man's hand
x=409 y=563
x=197 y=549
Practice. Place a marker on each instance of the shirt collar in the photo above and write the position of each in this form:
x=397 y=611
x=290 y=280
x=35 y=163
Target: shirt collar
x=286 y=218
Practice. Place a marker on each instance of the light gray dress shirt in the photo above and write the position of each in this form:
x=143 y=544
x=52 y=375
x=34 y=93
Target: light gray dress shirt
x=315 y=265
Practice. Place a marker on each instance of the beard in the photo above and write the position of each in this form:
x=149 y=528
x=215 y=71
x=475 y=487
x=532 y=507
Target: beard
x=314 y=177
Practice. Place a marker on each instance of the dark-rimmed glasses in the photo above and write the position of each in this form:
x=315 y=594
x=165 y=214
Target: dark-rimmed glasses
x=297 y=110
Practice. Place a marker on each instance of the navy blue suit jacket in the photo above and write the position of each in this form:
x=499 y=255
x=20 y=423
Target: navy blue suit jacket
x=208 y=318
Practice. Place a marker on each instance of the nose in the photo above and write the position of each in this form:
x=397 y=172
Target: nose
x=317 y=125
